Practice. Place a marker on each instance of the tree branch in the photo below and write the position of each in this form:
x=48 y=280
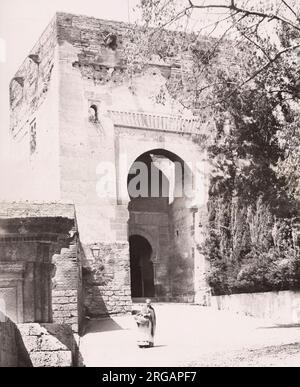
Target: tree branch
x=255 y=74
x=211 y=52
x=246 y=12
x=271 y=61
x=256 y=45
x=176 y=17
x=290 y=8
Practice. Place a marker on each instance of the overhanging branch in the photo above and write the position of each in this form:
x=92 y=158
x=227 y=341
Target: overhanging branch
x=247 y=12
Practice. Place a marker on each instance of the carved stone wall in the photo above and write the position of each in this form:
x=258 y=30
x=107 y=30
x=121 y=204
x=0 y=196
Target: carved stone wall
x=34 y=249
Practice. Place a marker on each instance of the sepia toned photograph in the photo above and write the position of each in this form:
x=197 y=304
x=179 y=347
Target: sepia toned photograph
x=149 y=186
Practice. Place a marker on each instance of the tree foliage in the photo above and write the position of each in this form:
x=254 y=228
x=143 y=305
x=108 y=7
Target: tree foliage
x=242 y=67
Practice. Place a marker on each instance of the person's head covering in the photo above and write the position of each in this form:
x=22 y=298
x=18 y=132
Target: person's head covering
x=144 y=309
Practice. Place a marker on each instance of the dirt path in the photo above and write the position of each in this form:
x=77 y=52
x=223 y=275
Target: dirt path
x=189 y=335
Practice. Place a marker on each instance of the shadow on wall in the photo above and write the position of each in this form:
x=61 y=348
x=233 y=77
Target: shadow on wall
x=13 y=352
x=96 y=316
x=94 y=304
x=23 y=356
x=67 y=340
x=93 y=278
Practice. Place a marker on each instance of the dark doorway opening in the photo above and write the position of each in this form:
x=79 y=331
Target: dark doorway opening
x=141 y=267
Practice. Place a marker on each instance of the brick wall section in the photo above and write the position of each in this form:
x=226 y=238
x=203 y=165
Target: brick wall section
x=107 y=281
x=66 y=287
x=49 y=345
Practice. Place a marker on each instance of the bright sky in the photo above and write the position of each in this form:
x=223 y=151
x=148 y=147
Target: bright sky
x=23 y=21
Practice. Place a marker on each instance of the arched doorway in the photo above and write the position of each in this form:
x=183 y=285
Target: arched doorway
x=159 y=186
x=141 y=267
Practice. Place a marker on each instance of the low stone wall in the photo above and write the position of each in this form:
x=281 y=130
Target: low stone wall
x=49 y=345
x=280 y=307
x=36 y=210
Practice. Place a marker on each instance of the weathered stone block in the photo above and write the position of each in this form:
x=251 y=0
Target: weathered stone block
x=60 y=300
x=72 y=299
x=31 y=343
x=52 y=359
x=51 y=343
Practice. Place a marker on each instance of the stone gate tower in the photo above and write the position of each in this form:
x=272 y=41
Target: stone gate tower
x=80 y=128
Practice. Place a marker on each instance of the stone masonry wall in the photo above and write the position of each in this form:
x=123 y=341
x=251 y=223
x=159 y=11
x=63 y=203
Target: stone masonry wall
x=107 y=281
x=29 y=87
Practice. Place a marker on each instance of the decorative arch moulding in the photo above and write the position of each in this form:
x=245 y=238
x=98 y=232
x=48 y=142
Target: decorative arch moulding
x=167 y=123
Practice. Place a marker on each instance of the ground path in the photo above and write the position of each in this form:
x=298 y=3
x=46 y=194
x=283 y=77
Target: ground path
x=189 y=335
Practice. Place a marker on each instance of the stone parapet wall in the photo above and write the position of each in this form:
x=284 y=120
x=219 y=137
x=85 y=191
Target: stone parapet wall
x=32 y=210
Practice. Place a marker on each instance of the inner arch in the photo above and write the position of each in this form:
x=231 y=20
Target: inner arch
x=141 y=267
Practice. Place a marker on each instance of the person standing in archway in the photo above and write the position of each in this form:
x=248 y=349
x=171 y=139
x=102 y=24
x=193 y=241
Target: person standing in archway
x=146 y=322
